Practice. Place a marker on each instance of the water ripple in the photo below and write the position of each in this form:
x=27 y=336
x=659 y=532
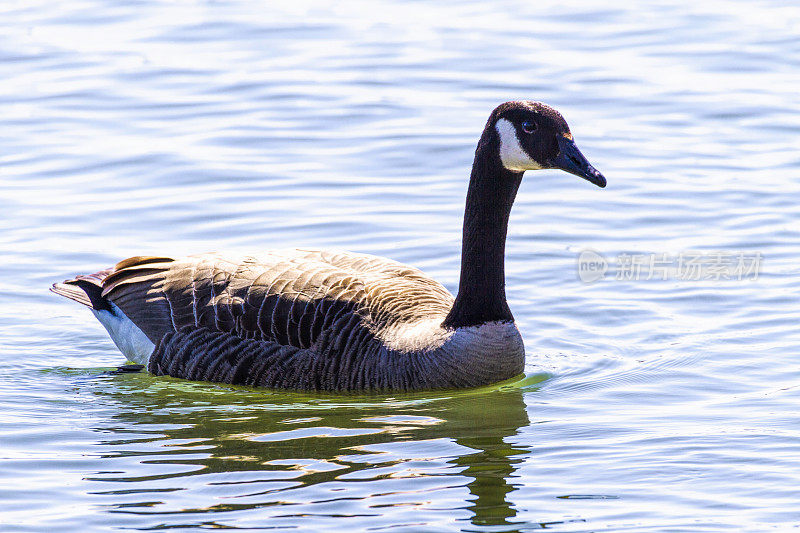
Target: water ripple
x=152 y=127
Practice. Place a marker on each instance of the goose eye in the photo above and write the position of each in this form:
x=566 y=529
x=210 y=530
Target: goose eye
x=528 y=126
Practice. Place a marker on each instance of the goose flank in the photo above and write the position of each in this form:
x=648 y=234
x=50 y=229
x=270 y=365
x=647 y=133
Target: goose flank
x=341 y=321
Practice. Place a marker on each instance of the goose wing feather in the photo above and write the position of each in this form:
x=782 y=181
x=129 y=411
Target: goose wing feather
x=287 y=297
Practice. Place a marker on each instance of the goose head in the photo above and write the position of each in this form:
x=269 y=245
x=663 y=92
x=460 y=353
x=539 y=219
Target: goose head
x=533 y=136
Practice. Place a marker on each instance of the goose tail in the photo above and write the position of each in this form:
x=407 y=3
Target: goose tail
x=86 y=290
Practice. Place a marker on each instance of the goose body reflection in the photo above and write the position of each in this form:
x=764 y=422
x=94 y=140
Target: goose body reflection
x=288 y=456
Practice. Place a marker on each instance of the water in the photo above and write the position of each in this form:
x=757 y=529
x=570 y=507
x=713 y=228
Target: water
x=152 y=127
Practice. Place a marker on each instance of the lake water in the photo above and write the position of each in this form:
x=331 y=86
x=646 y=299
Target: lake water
x=665 y=400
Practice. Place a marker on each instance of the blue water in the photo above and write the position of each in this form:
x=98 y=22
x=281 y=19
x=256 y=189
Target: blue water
x=134 y=128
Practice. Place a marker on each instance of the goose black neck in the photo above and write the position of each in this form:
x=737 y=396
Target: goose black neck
x=481 y=290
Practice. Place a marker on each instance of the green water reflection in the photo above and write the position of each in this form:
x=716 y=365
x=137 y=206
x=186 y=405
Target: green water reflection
x=261 y=449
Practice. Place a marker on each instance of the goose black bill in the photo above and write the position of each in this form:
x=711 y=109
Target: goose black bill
x=571 y=159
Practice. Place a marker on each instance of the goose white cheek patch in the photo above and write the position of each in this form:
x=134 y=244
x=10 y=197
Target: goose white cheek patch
x=512 y=155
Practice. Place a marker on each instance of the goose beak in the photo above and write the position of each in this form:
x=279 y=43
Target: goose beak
x=571 y=159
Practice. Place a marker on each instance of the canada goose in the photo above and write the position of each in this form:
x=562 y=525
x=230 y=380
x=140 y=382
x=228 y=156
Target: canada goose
x=323 y=320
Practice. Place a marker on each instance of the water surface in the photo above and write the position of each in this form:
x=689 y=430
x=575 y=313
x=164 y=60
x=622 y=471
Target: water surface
x=168 y=127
